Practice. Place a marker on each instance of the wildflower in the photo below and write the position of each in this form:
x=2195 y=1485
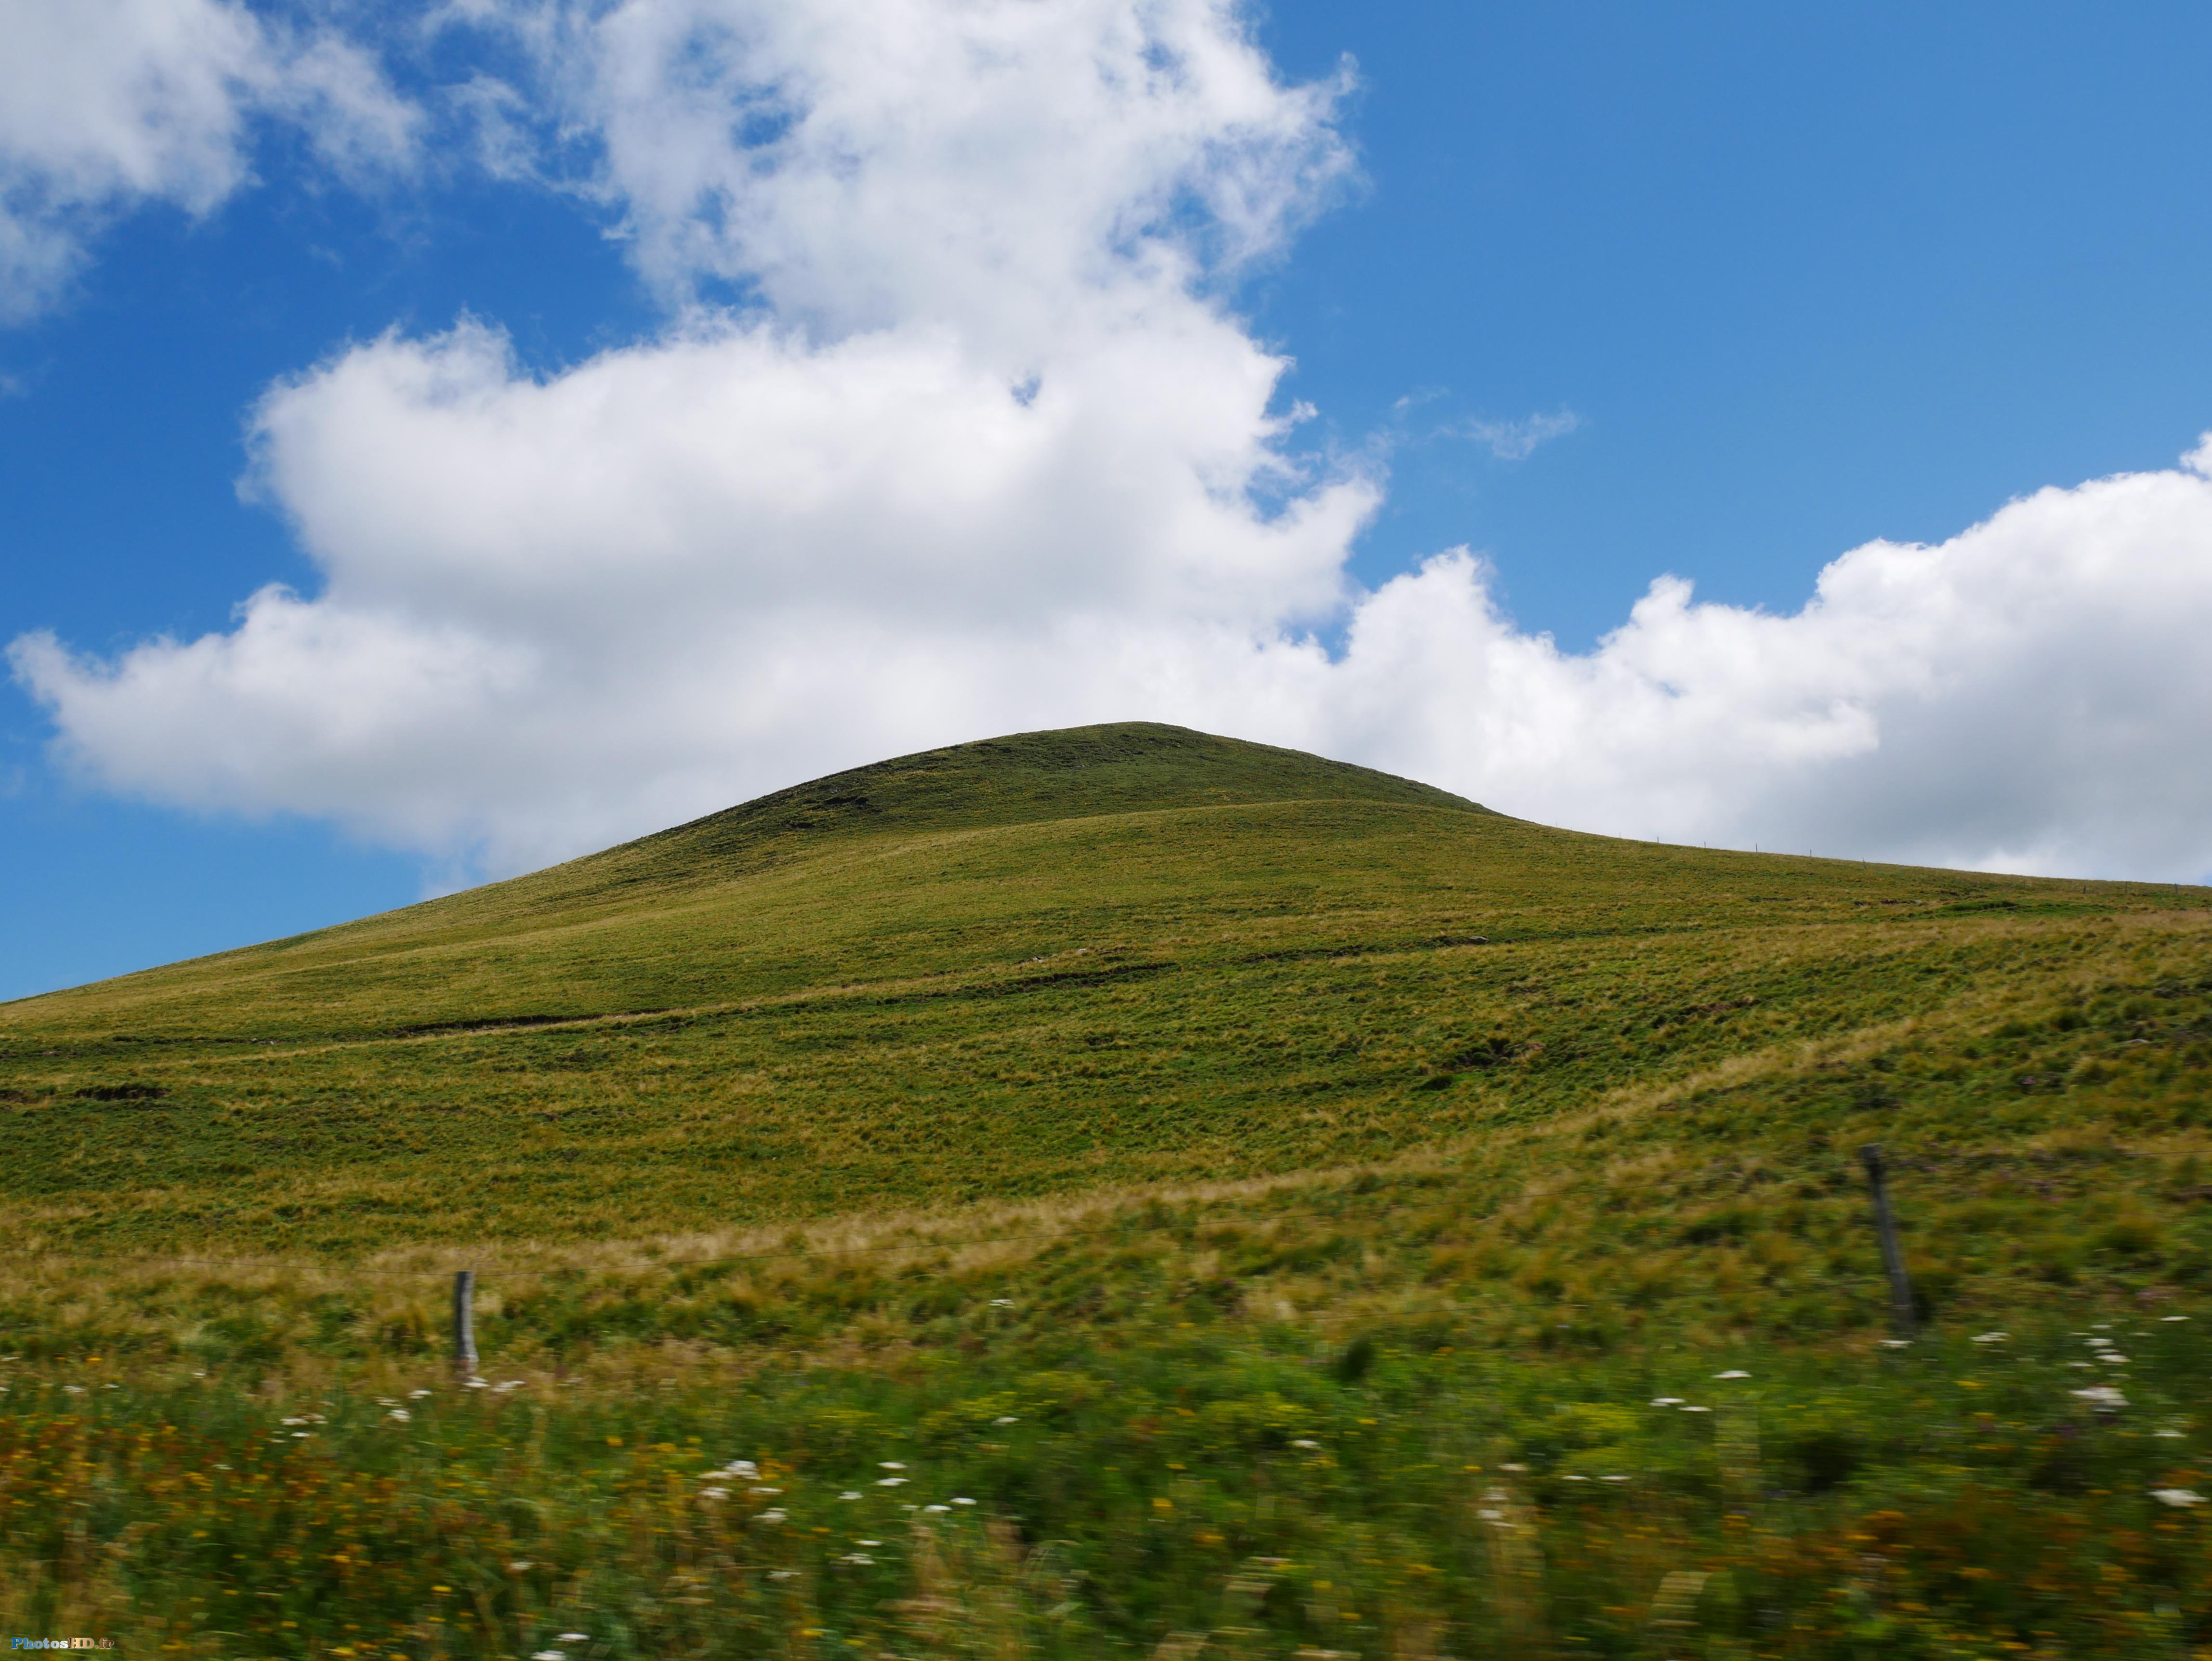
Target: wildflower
x=962 y=1500
x=1613 y=1479
x=512 y=1384
x=295 y=1422
x=73 y=1390
x=2178 y=1498
x=858 y=1557
x=386 y=1401
x=890 y=1481
x=416 y=1395
x=770 y=1518
x=522 y=1567
x=399 y=1413
x=475 y=1383
x=2098 y=1343
x=1991 y=1337
x=2103 y=1398
x=1491 y=1516
x=2173 y=1434
x=572 y=1638
x=1002 y=1303
x=2173 y=1317
x=2112 y=1357
x=1305 y=1443
x=1896 y=1343
x=1006 y=1419
x=1732 y=1372
x=745 y=1468
x=766 y=1491
x=550 y=1655
x=890 y=1464
x=713 y=1493
x=850 y=1493
x=782 y=1574
x=1513 y=1467
x=1571 y=1477
x=1666 y=1401
x=868 y=1542
x=2078 y=1364
x=1691 y=1410
x=937 y=1510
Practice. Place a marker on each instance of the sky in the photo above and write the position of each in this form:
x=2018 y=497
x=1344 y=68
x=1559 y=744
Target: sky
x=441 y=439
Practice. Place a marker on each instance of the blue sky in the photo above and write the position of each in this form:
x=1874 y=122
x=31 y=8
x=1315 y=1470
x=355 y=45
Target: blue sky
x=1603 y=292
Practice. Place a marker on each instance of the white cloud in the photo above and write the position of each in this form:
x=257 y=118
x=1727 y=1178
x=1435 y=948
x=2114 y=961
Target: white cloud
x=106 y=104
x=983 y=453
x=1516 y=440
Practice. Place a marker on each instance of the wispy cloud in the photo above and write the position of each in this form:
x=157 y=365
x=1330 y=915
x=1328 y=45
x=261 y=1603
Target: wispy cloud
x=1516 y=440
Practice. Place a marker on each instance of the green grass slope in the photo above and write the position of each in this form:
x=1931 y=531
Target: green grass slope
x=1013 y=969
x=1126 y=1193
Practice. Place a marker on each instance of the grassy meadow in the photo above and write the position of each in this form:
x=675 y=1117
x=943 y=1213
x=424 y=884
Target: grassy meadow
x=1125 y=1192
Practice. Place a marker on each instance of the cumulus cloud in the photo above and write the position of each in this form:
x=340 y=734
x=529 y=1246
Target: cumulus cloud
x=107 y=104
x=971 y=443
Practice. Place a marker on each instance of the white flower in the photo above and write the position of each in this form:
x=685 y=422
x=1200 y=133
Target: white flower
x=849 y=1494
x=1613 y=1479
x=400 y=1415
x=1302 y=1443
x=1691 y=1410
x=961 y=1499
x=301 y=1435
x=745 y=1468
x=1002 y=1303
x=1006 y=1419
x=386 y=1401
x=1513 y=1467
x=1991 y=1337
x=766 y=1491
x=573 y=1637
x=782 y=1574
x=769 y=1516
x=2103 y=1398
x=2173 y=1317
x=1491 y=1516
x=713 y=1493
x=1666 y=1401
x=73 y=1390
x=522 y=1567
x=2098 y=1343
x=2078 y=1364
x=512 y=1384
x=1571 y=1477
x=295 y=1422
x=890 y=1481
x=1732 y=1372
x=416 y=1395
x=475 y=1383
x=868 y=1542
x=2177 y=1498
x=858 y=1557
x=2175 y=1434
x=1897 y=1343
x=550 y=1655
x=2112 y=1357
x=937 y=1510
x=890 y=1464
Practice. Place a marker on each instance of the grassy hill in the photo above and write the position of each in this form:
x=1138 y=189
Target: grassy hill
x=1273 y=1192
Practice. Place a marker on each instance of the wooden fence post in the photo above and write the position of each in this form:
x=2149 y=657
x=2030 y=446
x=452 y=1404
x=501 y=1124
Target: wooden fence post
x=464 y=1323
x=1902 y=1314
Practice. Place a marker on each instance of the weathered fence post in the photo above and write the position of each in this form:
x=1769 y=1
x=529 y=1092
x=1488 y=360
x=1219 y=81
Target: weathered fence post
x=1902 y=1315
x=464 y=1323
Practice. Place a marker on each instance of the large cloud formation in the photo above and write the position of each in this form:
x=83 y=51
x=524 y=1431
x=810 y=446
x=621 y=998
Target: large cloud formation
x=953 y=433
